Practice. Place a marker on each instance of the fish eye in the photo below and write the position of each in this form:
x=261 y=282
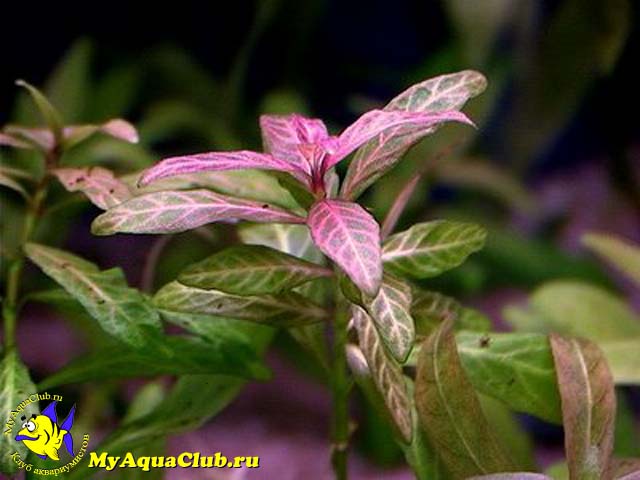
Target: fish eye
x=30 y=426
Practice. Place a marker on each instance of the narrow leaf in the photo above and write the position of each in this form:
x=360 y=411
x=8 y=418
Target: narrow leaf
x=178 y=211
x=15 y=387
x=451 y=413
x=349 y=236
x=385 y=371
x=378 y=156
x=622 y=254
x=121 y=311
x=11 y=141
x=218 y=161
x=285 y=310
x=50 y=115
x=588 y=407
x=116 y=128
x=251 y=270
x=9 y=182
x=99 y=184
x=428 y=249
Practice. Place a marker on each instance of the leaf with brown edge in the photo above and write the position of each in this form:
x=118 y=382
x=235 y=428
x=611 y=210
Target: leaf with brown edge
x=350 y=236
x=588 y=406
x=386 y=372
x=99 y=184
x=451 y=413
x=178 y=211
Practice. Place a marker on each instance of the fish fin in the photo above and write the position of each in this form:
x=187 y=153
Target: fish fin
x=68 y=422
x=68 y=443
x=50 y=411
x=44 y=457
x=52 y=453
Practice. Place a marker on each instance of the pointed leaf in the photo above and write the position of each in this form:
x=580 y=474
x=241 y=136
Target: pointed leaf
x=386 y=124
x=285 y=310
x=251 y=270
x=374 y=159
x=99 y=184
x=622 y=254
x=50 y=115
x=349 y=236
x=121 y=311
x=15 y=387
x=116 y=128
x=588 y=406
x=178 y=211
x=386 y=372
x=219 y=161
x=11 y=141
x=430 y=309
x=7 y=181
x=451 y=413
x=428 y=249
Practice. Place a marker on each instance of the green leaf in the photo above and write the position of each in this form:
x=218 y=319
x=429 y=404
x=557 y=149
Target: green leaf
x=15 y=386
x=51 y=116
x=623 y=359
x=285 y=310
x=121 y=311
x=588 y=406
x=292 y=239
x=451 y=413
x=516 y=368
x=428 y=249
x=7 y=181
x=430 y=309
x=251 y=270
x=175 y=355
x=622 y=254
x=386 y=373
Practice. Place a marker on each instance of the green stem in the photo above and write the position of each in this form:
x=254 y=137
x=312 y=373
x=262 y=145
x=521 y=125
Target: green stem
x=341 y=386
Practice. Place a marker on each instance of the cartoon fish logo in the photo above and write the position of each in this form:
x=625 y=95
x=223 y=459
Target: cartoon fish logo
x=42 y=435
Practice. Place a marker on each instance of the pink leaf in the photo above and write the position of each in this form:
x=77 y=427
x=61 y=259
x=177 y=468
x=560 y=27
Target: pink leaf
x=381 y=122
x=178 y=211
x=350 y=236
x=97 y=183
x=284 y=134
x=10 y=141
x=218 y=161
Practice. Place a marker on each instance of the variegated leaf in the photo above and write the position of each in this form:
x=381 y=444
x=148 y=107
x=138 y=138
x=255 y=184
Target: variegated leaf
x=385 y=371
x=390 y=310
x=292 y=239
x=451 y=413
x=251 y=270
x=430 y=309
x=178 y=211
x=588 y=402
x=121 y=311
x=284 y=310
x=350 y=236
x=378 y=156
x=99 y=184
x=428 y=249
x=385 y=124
x=219 y=161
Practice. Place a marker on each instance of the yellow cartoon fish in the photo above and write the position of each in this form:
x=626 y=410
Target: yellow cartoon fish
x=42 y=435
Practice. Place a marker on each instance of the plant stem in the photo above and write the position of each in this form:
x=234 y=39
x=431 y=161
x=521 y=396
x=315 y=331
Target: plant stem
x=341 y=386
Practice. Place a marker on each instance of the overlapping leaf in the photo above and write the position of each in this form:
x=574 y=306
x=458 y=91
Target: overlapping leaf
x=451 y=413
x=620 y=253
x=99 y=184
x=251 y=270
x=349 y=236
x=374 y=159
x=121 y=311
x=428 y=249
x=285 y=310
x=385 y=371
x=178 y=211
x=429 y=309
x=588 y=407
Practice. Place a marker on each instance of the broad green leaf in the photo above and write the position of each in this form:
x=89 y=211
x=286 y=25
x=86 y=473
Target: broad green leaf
x=99 y=184
x=588 y=406
x=385 y=371
x=347 y=234
x=174 y=355
x=51 y=116
x=626 y=442
x=251 y=270
x=451 y=413
x=292 y=239
x=428 y=249
x=15 y=387
x=178 y=211
x=121 y=311
x=621 y=253
x=378 y=156
x=430 y=309
x=516 y=368
x=285 y=310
